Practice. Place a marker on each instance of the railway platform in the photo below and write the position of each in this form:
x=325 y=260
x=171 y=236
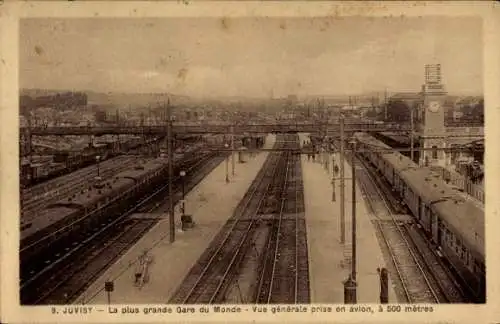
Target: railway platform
x=211 y=203
x=327 y=256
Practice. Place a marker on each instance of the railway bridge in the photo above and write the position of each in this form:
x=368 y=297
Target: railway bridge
x=214 y=128
x=456 y=135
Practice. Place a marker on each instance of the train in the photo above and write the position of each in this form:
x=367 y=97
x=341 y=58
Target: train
x=62 y=162
x=453 y=224
x=42 y=171
x=67 y=161
x=72 y=218
x=88 y=155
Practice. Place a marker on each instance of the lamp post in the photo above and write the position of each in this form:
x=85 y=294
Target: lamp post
x=227 y=164
x=183 y=206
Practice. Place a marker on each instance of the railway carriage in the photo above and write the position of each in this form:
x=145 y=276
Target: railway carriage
x=77 y=214
x=93 y=205
x=45 y=226
x=454 y=224
x=425 y=190
x=83 y=211
x=145 y=177
x=71 y=219
x=461 y=239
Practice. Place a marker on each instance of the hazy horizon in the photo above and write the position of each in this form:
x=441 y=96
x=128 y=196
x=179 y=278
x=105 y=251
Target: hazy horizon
x=250 y=57
x=318 y=96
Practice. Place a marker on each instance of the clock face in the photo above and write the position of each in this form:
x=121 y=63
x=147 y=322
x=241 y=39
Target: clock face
x=434 y=106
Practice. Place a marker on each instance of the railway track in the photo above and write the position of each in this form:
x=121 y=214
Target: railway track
x=419 y=273
x=60 y=287
x=59 y=188
x=449 y=289
x=204 y=283
x=270 y=260
x=75 y=267
x=303 y=294
x=266 y=201
x=415 y=281
x=49 y=185
x=63 y=188
x=285 y=272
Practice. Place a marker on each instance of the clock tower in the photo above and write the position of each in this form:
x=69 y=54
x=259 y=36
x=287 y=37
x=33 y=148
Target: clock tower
x=431 y=118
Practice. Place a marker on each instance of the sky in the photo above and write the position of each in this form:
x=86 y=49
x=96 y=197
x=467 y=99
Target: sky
x=251 y=57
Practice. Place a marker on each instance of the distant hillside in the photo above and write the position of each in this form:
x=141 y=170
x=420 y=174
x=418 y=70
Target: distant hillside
x=116 y=99
x=134 y=100
x=366 y=98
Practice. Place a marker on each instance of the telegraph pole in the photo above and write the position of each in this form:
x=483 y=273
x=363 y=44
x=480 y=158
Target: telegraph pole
x=333 y=186
x=334 y=174
x=29 y=144
x=232 y=149
x=118 y=135
x=149 y=123
x=327 y=145
x=353 y=268
x=342 y=182
x=143 y=134
x=350 y=285
x=411 y=133
x=385 y=105
x=170 y=173
x=325 y=152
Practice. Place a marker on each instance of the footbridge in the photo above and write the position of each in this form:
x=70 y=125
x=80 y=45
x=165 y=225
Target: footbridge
x=455 y=135
x=180 y=128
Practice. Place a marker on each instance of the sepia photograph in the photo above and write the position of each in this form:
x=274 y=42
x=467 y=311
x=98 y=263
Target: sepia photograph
x=251 y=160
x=248 y=164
